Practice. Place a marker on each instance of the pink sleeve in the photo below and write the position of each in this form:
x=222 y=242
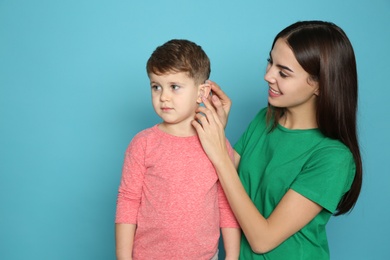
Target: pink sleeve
x=130 y=188
x=227 y=218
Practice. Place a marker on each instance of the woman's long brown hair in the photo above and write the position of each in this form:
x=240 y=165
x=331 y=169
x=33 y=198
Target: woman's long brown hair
x=326 y=54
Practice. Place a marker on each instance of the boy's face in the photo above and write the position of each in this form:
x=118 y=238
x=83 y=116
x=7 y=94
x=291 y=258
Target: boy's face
x=175 y=97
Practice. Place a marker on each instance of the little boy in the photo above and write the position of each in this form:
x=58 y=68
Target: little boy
x=170 y=204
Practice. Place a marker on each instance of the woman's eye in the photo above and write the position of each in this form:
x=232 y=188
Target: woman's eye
x=282 y=74
x=269 y=60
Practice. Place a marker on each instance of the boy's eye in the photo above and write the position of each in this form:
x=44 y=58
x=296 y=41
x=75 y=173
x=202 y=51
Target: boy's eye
x=175 y=87
x=269 y=60
x=156 y=87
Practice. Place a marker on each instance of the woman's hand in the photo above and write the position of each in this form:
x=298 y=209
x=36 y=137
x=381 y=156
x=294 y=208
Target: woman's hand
x=210 y=131
x=220 y=101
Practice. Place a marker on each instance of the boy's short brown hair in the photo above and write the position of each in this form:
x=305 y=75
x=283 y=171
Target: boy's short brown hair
x=180 y=56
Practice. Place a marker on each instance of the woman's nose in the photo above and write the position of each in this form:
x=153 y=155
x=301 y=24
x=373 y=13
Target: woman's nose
x=269 y=75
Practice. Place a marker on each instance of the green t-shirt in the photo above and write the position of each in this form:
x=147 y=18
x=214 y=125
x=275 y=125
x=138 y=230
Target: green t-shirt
x=317 y=167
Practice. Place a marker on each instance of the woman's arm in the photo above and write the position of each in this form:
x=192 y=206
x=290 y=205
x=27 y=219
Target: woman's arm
x=292 y=213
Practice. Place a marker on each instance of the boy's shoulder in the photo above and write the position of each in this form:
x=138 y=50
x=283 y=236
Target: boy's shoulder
x=143 y=139
x=147 y=133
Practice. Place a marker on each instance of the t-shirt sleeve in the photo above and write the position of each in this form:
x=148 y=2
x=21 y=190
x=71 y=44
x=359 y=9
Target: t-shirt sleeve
x=326 y=177
x=227 y=218
x=130 y=188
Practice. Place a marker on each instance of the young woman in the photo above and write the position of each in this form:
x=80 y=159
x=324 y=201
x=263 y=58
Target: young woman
x=298 y=162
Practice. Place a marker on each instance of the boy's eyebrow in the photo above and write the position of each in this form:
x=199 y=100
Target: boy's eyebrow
x=170 y=83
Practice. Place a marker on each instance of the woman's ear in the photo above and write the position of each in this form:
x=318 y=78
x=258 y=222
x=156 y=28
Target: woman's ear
x=203 y=91
x=316 y=89
x=315 y=85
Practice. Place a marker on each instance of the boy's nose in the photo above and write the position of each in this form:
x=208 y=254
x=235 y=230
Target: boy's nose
x=164 y=95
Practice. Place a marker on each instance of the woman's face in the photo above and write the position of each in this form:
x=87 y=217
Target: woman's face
x=289 y=84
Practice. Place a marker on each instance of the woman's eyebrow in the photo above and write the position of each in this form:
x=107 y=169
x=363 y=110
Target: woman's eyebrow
x=284 y=67
x=280 y=66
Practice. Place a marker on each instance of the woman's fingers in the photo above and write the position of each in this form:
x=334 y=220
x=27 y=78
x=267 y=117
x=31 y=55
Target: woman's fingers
x=224 y=99
x=207 y=105
x=210 y=112
x=210 y=130
x=206 y=118
x=221 y=102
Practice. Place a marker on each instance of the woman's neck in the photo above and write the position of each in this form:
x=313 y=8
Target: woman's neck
x=299 y=119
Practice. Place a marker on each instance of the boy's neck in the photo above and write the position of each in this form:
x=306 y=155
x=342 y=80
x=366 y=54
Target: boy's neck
x=180 y=130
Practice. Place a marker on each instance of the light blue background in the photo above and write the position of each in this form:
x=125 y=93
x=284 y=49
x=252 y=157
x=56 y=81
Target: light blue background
x=74 y=91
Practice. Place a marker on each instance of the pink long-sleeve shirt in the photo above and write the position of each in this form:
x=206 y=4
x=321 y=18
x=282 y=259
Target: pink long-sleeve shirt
x=170 y=190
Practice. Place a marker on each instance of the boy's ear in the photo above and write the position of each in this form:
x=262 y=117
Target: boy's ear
x=204 y=91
